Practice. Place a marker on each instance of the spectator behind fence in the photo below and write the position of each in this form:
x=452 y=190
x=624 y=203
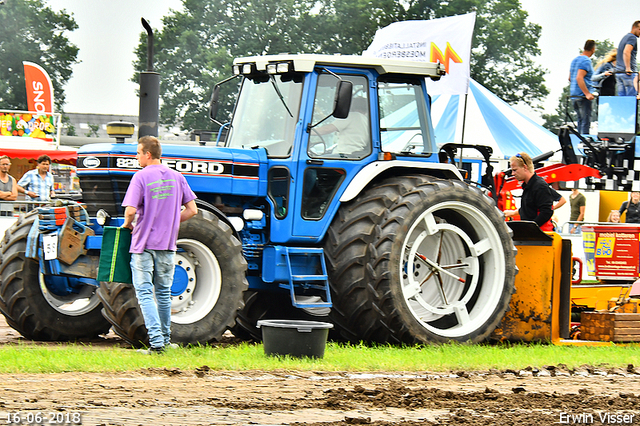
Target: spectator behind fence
x=614 y=216
x=632 y=207
x=37 y=184
x=578 y=204
x=8 y=187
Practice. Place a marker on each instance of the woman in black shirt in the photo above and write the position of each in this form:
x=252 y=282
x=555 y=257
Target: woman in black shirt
x=632 y=207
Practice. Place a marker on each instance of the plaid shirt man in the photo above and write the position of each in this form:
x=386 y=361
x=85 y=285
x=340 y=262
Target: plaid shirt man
x=33 y=182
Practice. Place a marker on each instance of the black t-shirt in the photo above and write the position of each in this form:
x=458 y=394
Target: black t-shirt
x=633 y=212
x=537 y=201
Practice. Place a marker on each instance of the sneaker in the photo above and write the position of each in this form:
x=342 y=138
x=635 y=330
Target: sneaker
x=151 y=350
x=172 y=346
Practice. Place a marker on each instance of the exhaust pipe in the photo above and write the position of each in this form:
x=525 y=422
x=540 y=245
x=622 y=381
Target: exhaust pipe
x=148 y=115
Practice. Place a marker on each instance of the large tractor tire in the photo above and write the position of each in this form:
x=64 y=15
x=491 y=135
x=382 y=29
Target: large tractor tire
x=30 y=301
x=207 y=291
x=419 y=259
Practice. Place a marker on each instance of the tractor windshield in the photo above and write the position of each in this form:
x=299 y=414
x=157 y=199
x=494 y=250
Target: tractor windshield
x=267 y=113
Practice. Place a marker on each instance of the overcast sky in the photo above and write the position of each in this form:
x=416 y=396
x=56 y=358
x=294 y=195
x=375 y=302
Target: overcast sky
x=108 y=33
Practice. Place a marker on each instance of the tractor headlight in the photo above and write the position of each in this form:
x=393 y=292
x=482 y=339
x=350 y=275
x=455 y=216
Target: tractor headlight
x=102 y=216
x=247 y=69
x=237 y=223
x=283 y=67
x=252 y=214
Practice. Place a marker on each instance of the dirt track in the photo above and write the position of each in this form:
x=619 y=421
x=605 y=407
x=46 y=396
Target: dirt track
x=202 y=397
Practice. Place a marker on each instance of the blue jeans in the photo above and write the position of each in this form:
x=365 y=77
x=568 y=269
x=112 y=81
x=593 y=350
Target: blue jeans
x=583 y=110
x=154 y=269
x=624 y=84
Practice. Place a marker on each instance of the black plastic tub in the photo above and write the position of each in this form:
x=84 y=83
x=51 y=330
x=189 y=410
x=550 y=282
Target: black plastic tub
x=294 y=337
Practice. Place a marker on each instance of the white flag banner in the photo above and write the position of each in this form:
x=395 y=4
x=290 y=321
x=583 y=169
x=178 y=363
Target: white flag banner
x=444 y=40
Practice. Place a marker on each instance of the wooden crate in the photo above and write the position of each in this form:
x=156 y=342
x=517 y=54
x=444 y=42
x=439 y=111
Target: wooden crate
x=631 y=306
x=610 y=326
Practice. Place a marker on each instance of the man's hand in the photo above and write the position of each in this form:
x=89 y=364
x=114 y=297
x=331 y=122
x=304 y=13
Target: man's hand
x=129 y=215
x=589 y=96
x=510 y=213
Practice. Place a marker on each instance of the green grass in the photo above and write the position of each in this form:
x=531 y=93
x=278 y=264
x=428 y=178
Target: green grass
x=26 y=358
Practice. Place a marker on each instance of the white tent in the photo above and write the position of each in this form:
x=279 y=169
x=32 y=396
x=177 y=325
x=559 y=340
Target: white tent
x=489 y=121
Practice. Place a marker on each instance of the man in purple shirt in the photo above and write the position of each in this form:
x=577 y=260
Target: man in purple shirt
x=153 y=210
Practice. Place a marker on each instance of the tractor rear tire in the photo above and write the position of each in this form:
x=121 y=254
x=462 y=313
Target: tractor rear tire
x=213 y=271
x=417 y=259
x=30 y=307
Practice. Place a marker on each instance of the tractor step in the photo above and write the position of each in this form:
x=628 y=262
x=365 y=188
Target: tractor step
x=319 y=282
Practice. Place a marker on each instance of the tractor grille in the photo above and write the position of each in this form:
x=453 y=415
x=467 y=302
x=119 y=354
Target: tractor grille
x=104 y=192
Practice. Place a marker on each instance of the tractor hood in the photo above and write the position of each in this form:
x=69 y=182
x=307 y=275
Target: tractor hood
x=207 y=169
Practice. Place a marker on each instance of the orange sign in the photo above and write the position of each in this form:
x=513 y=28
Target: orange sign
x=39 y=89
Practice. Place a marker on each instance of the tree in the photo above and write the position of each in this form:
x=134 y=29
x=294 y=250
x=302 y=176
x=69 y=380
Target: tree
x=32 y=31
x=504 y=43
x=93 y=130
x=564 y=113
x=197 y=45
x=503 y=49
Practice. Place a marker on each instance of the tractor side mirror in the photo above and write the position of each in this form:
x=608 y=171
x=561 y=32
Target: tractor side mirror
x=213 y=104
x=342 y=101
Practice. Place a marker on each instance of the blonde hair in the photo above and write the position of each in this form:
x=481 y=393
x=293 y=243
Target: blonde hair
x=611 y=213
x=609 y=57
x=523 y=159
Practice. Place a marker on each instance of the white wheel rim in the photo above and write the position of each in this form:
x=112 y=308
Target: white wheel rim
x=441 y=269
x=205 y=282
x=74 y=304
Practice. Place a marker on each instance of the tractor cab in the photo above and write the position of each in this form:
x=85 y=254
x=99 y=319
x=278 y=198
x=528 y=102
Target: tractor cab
x=322 y=120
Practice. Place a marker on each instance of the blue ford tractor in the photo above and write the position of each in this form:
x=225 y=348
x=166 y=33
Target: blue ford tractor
x=325 y=198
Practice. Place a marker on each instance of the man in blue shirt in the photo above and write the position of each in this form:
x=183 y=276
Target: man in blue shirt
x=626 y=65
x=37 y=184
x=581 y=86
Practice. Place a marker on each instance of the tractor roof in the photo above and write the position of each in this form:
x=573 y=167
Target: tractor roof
x=307 y=62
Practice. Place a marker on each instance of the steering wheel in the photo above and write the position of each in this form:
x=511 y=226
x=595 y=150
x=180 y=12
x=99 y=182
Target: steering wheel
x=322 y=142
x=412 y=145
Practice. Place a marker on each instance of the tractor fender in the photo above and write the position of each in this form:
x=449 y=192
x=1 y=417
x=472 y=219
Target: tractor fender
x=203 y=205
x=371 y=171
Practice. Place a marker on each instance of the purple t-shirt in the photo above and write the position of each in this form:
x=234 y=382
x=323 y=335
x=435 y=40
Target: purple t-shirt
x=157 y=193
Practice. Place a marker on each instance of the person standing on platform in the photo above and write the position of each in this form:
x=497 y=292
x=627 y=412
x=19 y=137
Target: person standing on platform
x=626 y=65
x=581 y=86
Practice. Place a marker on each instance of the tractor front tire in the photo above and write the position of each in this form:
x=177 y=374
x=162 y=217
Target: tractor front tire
x=208 y=288
x=417 y=259
x=33 y=309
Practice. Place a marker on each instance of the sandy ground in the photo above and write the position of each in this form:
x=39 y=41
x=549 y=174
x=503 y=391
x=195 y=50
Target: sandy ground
x=551 y=395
